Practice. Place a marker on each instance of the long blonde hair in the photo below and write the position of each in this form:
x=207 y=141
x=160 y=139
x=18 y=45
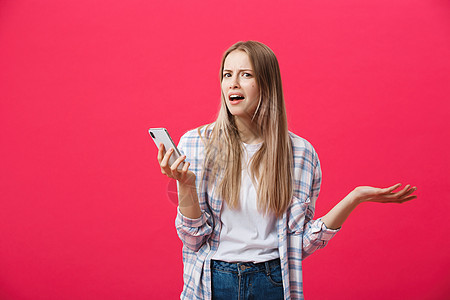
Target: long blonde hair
x=272 y=164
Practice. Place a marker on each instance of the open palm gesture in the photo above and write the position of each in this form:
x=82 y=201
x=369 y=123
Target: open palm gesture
x=385 y=195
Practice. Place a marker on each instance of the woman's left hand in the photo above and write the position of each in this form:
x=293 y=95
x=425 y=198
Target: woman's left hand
x=338 y=214
x=386 y=195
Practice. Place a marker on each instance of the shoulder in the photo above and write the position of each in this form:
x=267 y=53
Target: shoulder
x=300 y=143
x=302 y=148
x=197 y=133
x=195 y=138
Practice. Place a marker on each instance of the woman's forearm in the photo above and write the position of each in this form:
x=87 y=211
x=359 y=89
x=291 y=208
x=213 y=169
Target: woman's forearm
x=338 y=214
x=188 y=201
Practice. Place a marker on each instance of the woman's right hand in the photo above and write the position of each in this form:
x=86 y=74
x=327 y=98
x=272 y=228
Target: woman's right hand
x=184 y=176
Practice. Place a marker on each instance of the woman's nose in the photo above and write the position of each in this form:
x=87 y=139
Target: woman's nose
x=234 y=82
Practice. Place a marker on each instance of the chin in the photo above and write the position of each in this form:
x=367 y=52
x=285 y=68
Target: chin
x=236 y=113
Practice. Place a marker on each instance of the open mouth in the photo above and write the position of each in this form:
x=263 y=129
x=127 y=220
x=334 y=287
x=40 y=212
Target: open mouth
x=236 y=98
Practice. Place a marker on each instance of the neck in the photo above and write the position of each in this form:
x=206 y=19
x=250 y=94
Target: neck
x=248 y=131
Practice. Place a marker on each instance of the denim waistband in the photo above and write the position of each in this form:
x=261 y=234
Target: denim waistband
x=240 y=267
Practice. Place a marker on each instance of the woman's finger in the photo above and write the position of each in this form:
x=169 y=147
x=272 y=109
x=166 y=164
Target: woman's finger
x=164 y=163
x=391 y=188
x=182 y=172
x=160 y=152
x=409 y=192
x=185 y=168
x=411 y=197
x=402 y=192
x=166 y=158
x=177 y=162
x=390 y=194
x=174 y=168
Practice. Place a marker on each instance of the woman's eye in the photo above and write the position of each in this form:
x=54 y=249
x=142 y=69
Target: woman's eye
x=247 y=75
x=226 y=75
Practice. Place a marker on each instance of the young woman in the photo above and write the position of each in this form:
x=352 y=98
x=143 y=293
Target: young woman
x=248 y=190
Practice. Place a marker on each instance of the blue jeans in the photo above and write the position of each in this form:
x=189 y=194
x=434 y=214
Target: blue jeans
x=246 y=280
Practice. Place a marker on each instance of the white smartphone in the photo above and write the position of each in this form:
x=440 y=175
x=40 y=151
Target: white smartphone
x=161 y=135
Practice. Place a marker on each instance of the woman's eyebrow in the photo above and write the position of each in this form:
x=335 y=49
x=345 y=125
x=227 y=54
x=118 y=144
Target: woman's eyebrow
x=226 y=70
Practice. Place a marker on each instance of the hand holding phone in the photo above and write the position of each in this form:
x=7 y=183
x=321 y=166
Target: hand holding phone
x=171 y=161
x=161 y=135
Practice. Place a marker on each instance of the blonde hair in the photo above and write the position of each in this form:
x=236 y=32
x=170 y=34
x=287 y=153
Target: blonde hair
x=272 y=164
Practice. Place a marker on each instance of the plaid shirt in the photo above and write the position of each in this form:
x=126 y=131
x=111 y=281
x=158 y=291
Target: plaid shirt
x=298 y=234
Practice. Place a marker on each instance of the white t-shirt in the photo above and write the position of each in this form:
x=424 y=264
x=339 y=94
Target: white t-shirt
x=247 y=235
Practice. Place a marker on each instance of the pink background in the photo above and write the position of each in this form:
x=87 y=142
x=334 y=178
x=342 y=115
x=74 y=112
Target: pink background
x=85 y=212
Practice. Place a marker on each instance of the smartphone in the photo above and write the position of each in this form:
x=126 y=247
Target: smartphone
x=161 y=135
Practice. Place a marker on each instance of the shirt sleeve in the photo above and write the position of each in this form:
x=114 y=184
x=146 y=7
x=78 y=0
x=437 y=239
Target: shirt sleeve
x=192 y=232
x=315 y=234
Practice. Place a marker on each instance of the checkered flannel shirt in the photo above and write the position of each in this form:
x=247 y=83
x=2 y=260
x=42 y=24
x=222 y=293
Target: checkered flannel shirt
x=298 y=234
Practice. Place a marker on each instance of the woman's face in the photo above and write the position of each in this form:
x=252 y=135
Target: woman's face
x=239 y=87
